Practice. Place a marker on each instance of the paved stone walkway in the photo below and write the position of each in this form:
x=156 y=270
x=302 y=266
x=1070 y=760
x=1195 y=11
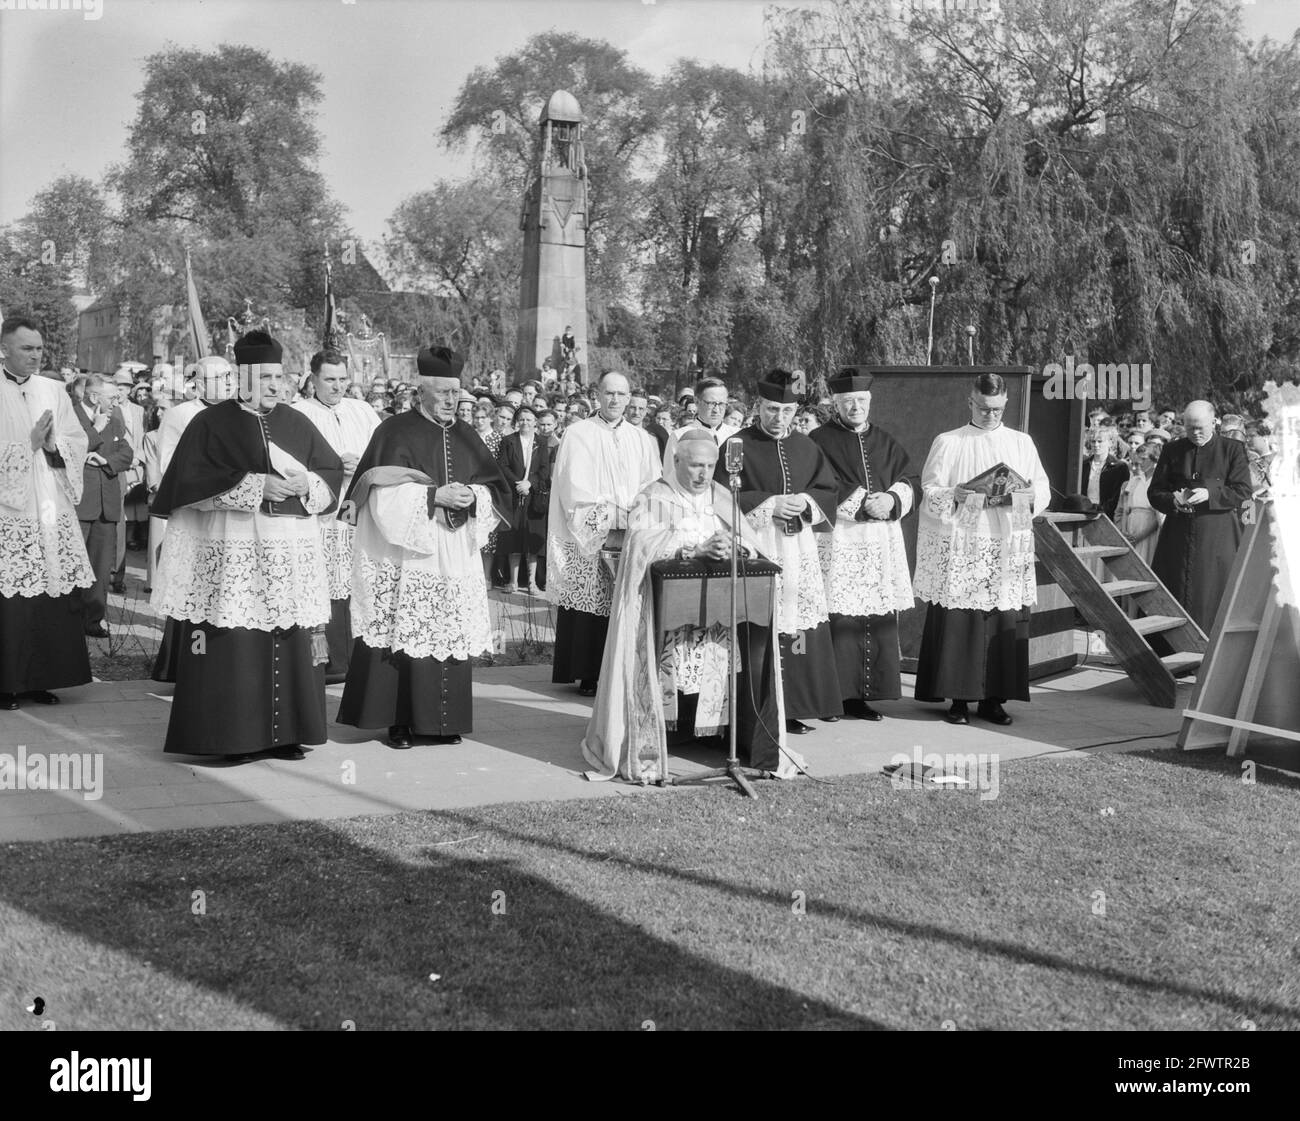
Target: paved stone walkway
x=524 y=748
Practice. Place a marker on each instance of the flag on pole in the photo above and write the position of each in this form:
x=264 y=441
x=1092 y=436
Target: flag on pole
x=198 y=329
x=330 y=341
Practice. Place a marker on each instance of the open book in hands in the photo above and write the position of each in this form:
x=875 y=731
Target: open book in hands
x=997 y=484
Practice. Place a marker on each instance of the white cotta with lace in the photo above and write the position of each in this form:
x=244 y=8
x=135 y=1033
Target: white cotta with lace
x=636 y=702
x=41 y=548
x=227 y=563
x=417 y=582
x=974 y=556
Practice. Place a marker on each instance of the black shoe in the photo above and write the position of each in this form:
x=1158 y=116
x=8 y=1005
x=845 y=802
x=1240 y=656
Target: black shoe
x=8 y=701
x=957 y=713
x=118 y=589
x=97 y=631
x=445 y=739
x=42 y=697
x=586 y=688
x=993 y=712
x=797 y=727
x=288 y=751
x=829 y=719
x=860 y=710
x=399 y=736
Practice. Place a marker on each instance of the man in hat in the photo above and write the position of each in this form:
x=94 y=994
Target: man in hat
x=863 y=558
x=43 y=561
x=685 y=515
x=788 y=490
x=975 y=563
x=1199 y=484
x=602 y=465
x=425 y=496
x=686 y=402
x=242 y=568
x=347 y=425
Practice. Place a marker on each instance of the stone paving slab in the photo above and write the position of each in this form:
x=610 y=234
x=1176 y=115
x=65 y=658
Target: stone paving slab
x=524 y=748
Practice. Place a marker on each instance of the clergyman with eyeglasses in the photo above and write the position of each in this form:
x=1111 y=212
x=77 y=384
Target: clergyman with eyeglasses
x=975 y=563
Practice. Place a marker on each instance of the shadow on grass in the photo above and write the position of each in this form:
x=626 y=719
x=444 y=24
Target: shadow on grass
x=312 y=929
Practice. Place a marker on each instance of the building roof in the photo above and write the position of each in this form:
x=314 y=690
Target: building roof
x=563 y=106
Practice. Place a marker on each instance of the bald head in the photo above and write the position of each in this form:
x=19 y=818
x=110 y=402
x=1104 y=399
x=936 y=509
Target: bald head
x=1198 y=422
x=696 y=456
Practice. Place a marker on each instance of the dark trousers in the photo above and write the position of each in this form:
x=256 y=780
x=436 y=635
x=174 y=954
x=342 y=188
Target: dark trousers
x=100 y=537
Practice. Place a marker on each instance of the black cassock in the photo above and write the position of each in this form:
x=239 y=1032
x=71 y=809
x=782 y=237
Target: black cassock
x=1194 y=552
x=793 y=465
x=239 y=689
x=866 y=646
x=384 y=687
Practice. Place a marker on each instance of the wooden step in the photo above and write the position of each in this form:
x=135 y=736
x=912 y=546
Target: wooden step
x=1154 y=624
x=1087 y=552
x=1182 y=663
x=1117 y=588
x=1057 y=519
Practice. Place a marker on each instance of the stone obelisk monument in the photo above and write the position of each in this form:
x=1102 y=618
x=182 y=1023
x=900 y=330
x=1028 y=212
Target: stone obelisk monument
x=553 y=289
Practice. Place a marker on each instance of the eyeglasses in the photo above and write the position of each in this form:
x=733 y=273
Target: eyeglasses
x=990 y=412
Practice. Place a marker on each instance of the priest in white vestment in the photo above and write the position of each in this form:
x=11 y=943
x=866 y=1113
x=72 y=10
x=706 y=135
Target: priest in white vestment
x=347 y=425
x=603 y=463
x=43 y=558
x=975 y=563
x=647 y=693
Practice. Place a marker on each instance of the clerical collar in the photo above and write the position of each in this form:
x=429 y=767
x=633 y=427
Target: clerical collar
x=866 y=427
x=979 y=429
x=446 y=426
x=609 y=423
x=16 y=379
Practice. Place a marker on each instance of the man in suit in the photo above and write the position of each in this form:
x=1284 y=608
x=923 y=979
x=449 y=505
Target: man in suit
x=638 y=413
x=100 y=509
x=133 y=419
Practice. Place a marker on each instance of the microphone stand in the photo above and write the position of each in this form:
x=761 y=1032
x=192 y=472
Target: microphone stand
x=733 y=770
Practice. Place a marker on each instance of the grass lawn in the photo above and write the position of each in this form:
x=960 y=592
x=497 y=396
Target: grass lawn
x=680 y=908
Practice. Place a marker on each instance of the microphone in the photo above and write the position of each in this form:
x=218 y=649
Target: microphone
x=735 y=455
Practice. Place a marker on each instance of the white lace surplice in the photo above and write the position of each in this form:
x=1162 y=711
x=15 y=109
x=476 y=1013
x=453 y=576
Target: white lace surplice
x=800 y=587
x=977 y=557
x=347 y=428
x=418 y=584
x=599 y=470
x=227 y=563
x=41 y=548
x=865 y=563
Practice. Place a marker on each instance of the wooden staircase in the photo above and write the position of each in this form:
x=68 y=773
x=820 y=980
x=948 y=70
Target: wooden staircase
x=1068 y=545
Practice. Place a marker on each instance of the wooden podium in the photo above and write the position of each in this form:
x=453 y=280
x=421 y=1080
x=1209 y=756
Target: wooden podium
x=697 y=593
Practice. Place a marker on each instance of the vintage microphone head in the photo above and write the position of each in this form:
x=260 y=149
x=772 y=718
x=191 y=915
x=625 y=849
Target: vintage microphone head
x=735 y=455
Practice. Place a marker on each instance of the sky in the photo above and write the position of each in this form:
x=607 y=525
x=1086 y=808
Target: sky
x=390 y=73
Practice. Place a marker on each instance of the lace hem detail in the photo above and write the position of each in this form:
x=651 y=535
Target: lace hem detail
x=15 y=468
x=336 y=547
x=594 y=527
x=319 y=496
x=71 y=477
x=484 y=523
x=421 y=612
x=245 y=496
x=580 y=582
x=865 y=567
x=847 y=510
x=42 y=560
x=760 y=517
x=939 y=502
x=976 y=572
x=260 y=585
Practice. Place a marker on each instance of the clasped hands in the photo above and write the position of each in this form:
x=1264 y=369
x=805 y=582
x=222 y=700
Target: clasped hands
x=879 y=506
x=453 y=496
x=789 y=505
x=276 y=489
x=717 y=547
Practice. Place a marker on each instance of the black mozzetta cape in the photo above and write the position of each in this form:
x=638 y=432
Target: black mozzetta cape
x=790 y=465
x=225 y=442
x=872 y=459
x=411 y=448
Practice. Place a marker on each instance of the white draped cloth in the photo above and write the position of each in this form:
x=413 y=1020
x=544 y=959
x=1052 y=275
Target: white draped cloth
x=347 y=428
x=636 y=703
x=418 y=583
x=41 y=547
x=975 y=556
x=171 y=428
x=599 y=470
x=227 y=563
